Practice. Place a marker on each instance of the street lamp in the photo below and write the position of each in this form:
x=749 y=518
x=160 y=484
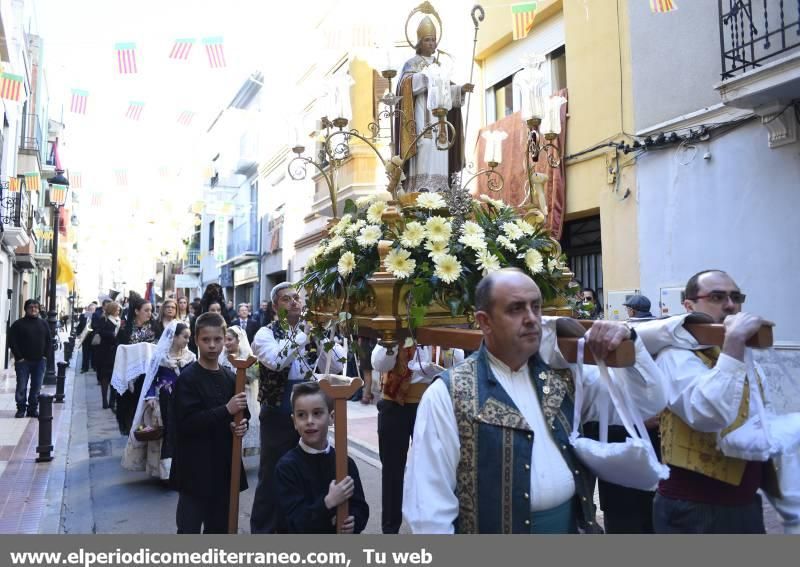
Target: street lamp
x=164 y=257
x=59 y=185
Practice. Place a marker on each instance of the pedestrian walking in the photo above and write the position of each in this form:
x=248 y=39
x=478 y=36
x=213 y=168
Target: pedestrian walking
x=87 y=349
x=29 y=339
x=105 y=351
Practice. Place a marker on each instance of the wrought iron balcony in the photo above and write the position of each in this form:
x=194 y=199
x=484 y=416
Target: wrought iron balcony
x=752 y=33
x=15 y=209
x=31 y=139
x=192 y=259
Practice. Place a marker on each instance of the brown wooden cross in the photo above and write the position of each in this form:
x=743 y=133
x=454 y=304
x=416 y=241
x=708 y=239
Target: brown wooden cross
x=340 y=390
x=236 y=455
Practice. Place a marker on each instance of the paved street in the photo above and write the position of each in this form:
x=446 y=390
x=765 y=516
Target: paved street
x=102 y=497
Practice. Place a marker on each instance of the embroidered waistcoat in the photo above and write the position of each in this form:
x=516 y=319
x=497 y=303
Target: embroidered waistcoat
x=494 y=478
x=272 y=389
x=683 y=447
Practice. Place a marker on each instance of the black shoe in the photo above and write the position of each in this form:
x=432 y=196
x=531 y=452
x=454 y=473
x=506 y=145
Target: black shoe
x=20 y=413
x=34 y=413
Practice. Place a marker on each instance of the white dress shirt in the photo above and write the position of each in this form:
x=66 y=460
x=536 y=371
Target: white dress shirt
x=430 y=504
x=423 y=368
x=277 y=355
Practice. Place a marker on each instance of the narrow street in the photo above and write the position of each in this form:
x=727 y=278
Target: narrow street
x=102 y=497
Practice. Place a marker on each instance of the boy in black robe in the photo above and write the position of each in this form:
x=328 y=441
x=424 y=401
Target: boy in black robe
x=204 y=408
x=305 y=477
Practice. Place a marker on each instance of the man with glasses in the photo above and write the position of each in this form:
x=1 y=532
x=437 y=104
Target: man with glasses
x=708 y=394
x=287 y=355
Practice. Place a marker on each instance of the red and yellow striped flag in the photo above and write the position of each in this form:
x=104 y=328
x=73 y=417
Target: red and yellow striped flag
x=13 y=184
x=10 y=86
x=522 y=18
x=662 y=6
x=32 y=181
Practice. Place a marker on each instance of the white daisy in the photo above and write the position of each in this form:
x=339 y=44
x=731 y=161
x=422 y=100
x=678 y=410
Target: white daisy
x=364 y=201
x=534 y=261
x=470 y=228
x=375 y=211
x=334 y=244
x=355 y=227
x=431 y=201
x=475 y=242
x=436 y=249
x=506 y=243
x=346 y=263
x=494 y=202
x=448 y=268
x=369 y=236
x=512 y=230
x=438 y=229
x=488 y=262
x=526 y=227
x=413 y=235
x=399 y=263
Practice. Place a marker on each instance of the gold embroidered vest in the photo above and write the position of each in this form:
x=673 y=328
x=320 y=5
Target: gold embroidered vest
x=682 y=446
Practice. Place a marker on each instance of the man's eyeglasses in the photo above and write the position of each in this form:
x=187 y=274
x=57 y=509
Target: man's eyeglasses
x=721 y=297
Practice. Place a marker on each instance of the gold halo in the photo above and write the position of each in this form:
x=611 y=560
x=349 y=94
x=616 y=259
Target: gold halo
x=427 y=9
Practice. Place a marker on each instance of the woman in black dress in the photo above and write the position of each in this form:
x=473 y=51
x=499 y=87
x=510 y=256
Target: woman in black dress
x=104 y=353
x=139 y=328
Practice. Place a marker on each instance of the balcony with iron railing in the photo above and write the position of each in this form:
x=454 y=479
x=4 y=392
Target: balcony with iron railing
x=192 y=261
x=15 y=216
x=31 y=139
x=753 y=34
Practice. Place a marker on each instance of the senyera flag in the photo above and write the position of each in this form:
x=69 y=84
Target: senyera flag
x=79 y=98
x=134 y=110
x=216 y=55
x=32 y=181
x=10 y=86
x=75 y=179
x=126 y=58
x=13 y=184
x=181 y=49
x=662 y=6
x=522 y=16
x=185 y=118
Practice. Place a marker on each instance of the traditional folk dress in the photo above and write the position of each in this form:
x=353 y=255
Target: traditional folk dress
x=491 y=451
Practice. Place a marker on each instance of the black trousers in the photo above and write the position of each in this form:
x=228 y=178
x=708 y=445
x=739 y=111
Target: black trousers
x=126 y=406
x=278 y=437
x=672 y=516
x=87 y=350
x=195 y=512
x=395 y=429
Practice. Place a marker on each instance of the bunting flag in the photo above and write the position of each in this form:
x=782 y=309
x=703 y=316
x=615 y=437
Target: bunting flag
x=522 y=19
x=13 y=184
x=79 y=98
x=75 y=179
x=662 y=6
x=121 y=177
x=134 y=110
x=97 y=200
x=10 y=86
x=181 y=49
x=185 y=118
x=33 y=182
x=163 y=171
x=126 y=58
x=216 y=55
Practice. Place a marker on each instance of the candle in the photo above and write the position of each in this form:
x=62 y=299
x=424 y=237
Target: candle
x=530 y=83
x=387 y=66
x=552 y=120
x=494 y=146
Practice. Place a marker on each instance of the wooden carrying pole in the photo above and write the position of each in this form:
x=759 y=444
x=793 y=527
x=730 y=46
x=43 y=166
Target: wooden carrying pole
x=236 y=455
x=470 y=339
x=340 y=393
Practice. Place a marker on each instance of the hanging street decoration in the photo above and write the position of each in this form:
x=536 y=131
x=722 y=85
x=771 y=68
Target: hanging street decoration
x=134 y=110
x=97 y=200
x=185 y=118
x=32 y=181
x=10 y=86
x=126 y=58
x=121 y=177
x=522 y=16
x=13 y=184
x=79 y=98
x=181 y=49
x=662 y=6
x=216 y=55
x=75 y=179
